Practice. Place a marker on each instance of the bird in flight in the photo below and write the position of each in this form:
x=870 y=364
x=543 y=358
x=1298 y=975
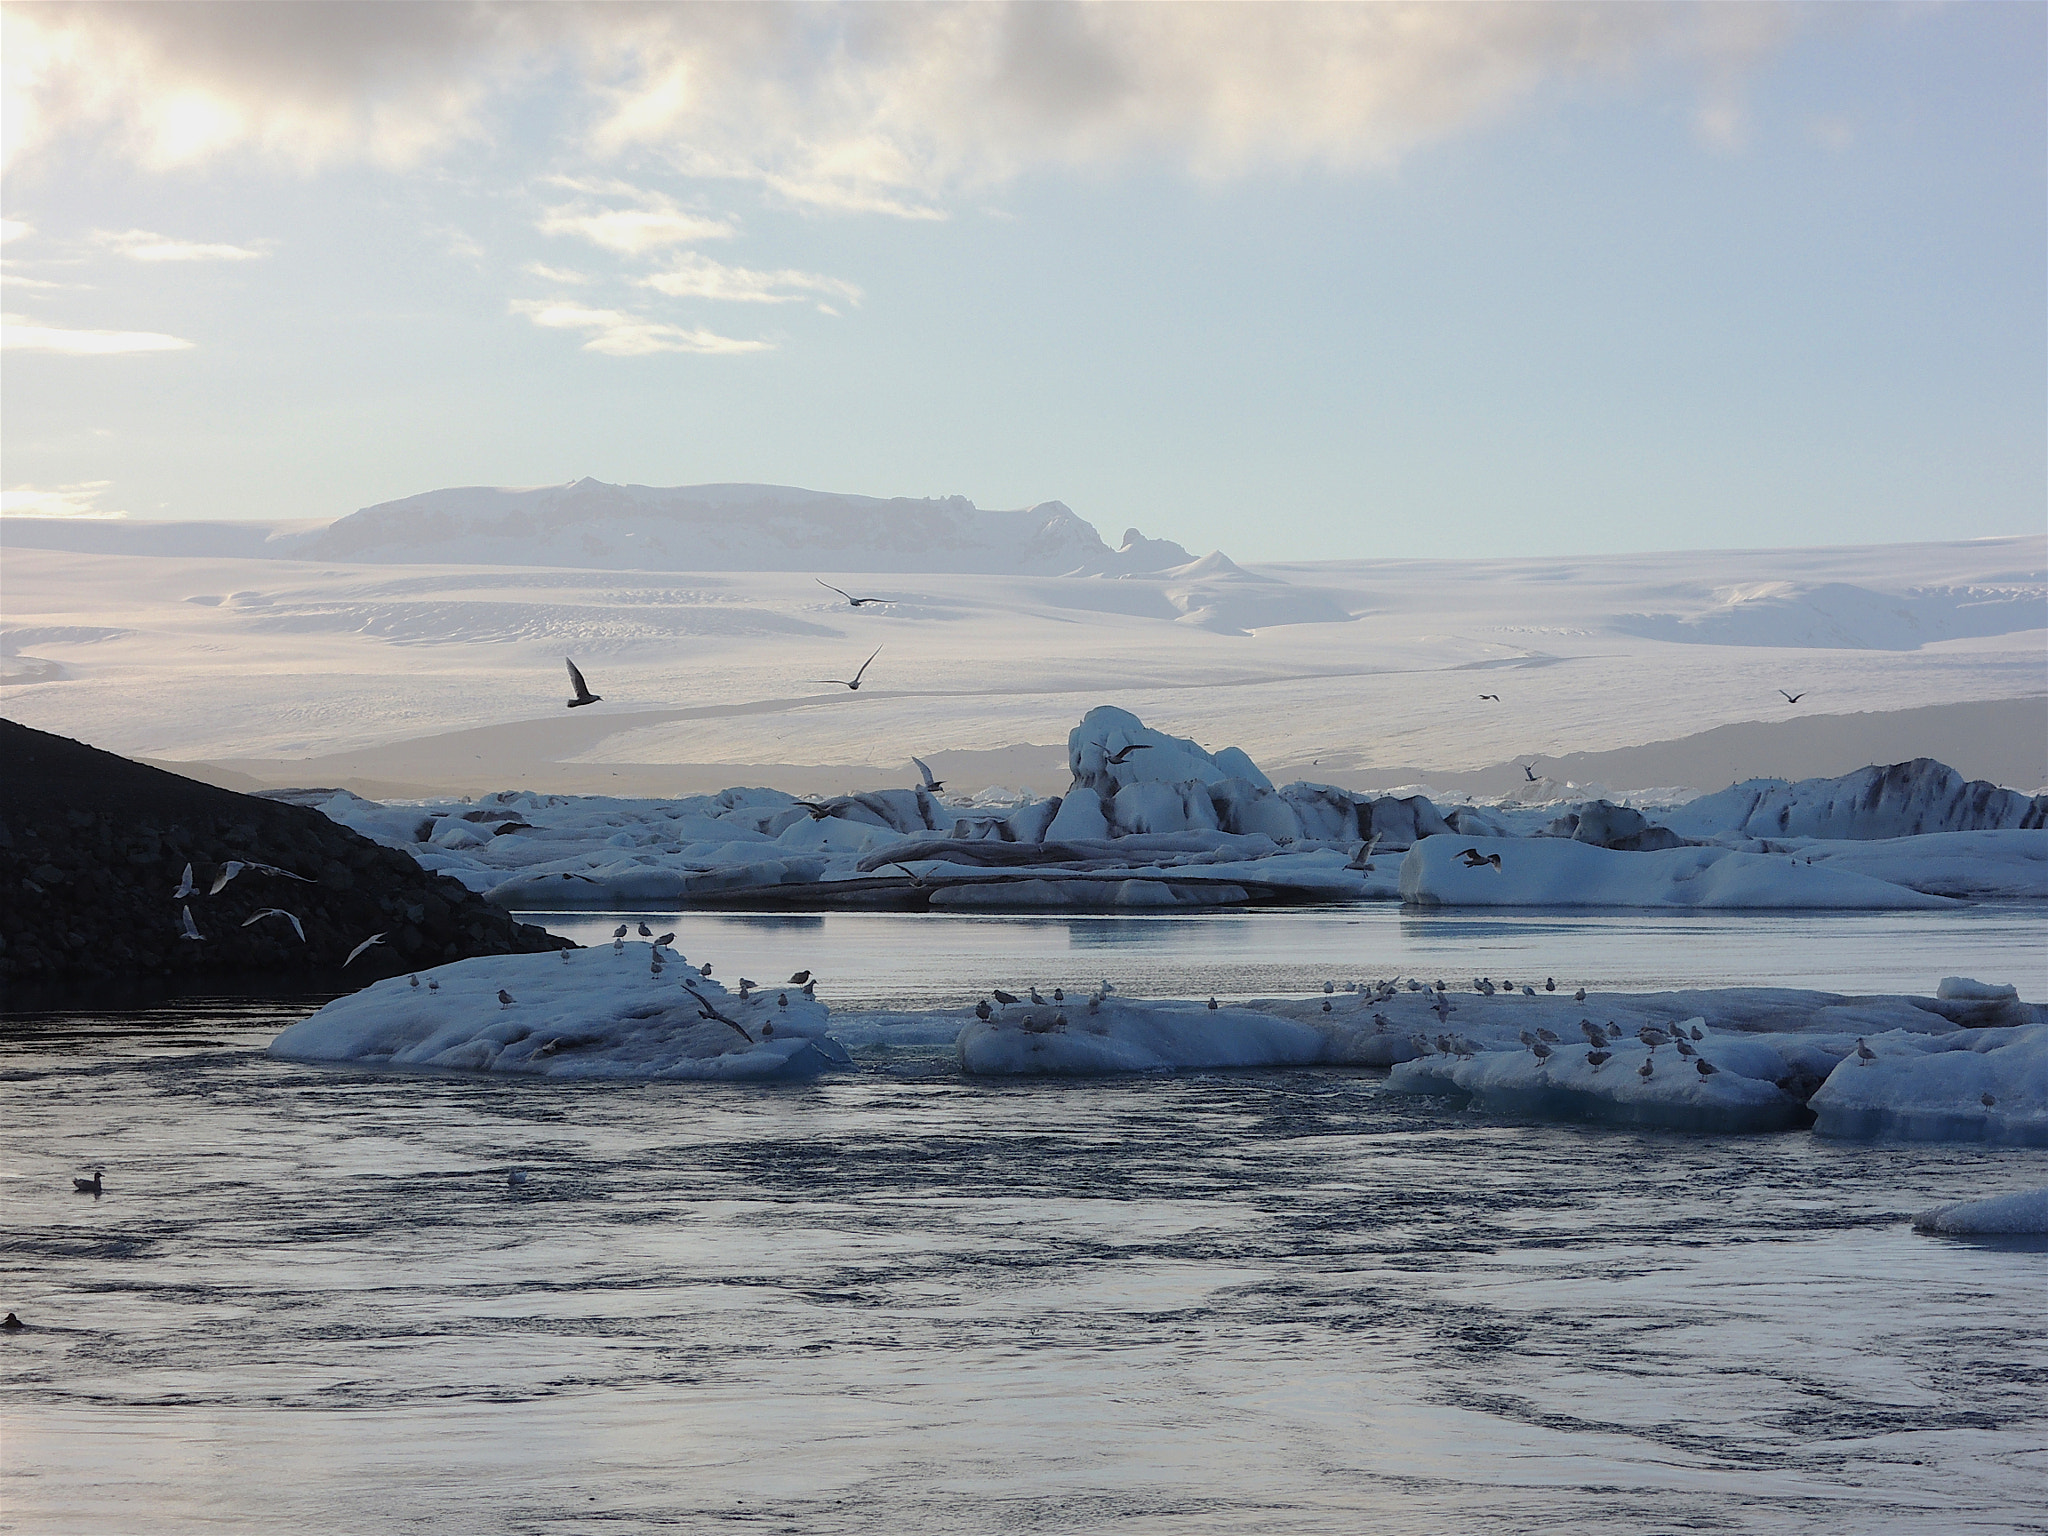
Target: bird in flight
x=1529 y=773
x=1474 y=859
x=234 y=867
x=931 y=784
x=854 y=681
x=1136 y=746
x=297 y=927
x=583 y=693
x=375 y=938
x=1793 y=698
x=1493 y=696
x=185 y=886
x=191 y=930
x=852 y=601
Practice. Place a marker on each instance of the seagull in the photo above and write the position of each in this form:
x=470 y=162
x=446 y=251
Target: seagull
x=932 y=785
x=1442 y=1009
x=818 y=812
x=185 y=886
x=1598 y=1059
x=1579 y=996
x=856 y=602
x=298 y=927
x=191 y=929
x=982 y=1010
x=1059 y=994
x=747 y=984
x=1550 y=983
x=1863 y=1052
x=89 y=1186
x=1474 y=859
x=375 y=938
x=1649 y=1067
x=646 y=932
x=1704 y=1067
x=583 y=693
x=1793 y=698
x=803 y=976
x=1003 y=997
x=1528 y=991
x=1493 y=696
x=707 y=1011
x=1212 y=1004
x=416 y=981
x=915 y=879
x=704 y=969
x=1136 y=746
x=234 y=867
x=782 y=999
x=854 y=681
x=1326 y=1005
x=1593 y=1033
x=1362 y=859
x=1988 y=1100
x=433 y=985
x=506 y=999
x=1684 y=1046
x=516 y=1177
x=1036 y=998
x=1547 y=1036
x=1652 y=1036
x=620 y=931
x=11 y=1324
x=1530 y=774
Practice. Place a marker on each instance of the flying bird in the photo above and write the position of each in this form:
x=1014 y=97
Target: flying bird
x=185 y=886
x=915 y=879
x=234 y=867
x=583 y=693
x=1474 y=859
x=852 y=601
x=1529 y=773
x=191 y=929
x=375 y=938
x=854 y=681
x=297 y=927
x=931 y=784
x=705 y=1010
x=1136 y=746
x=1794 y=698
x=1493 y=696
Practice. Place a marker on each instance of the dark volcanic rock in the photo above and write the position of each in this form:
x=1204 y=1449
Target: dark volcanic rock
x=92 y=846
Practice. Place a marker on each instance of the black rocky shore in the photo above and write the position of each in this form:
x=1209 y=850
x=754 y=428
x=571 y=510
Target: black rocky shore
x=92 y=846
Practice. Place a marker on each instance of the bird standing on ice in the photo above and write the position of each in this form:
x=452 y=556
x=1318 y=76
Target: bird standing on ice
x=583 y=693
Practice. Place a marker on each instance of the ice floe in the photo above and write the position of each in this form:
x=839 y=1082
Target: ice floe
x=1988 y=1085
x=2024 y=1212
x=607 y=1012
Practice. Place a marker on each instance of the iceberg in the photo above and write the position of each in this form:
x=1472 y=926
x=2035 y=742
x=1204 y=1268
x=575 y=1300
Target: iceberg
x=604 y=1013
x=1988 y=1085
x=1902 y=800
x=2024 y=1212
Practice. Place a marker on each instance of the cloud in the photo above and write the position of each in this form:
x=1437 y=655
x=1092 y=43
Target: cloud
x=618 y=334
x=13 y=229
x=883 y=108
x=655 y=223
x=20 y=334
x=141 y=245
x=699 y=277
x=554 y=274
x=57 y=501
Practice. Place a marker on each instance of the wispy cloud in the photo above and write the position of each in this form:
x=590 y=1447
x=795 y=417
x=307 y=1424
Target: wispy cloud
x=142 y=245
x=882 y=108
x=13 y=229
x=548 y=274
x=80 y=500
x=20 y=334
x=653 y=224
x=699 y=277
x=619 y=334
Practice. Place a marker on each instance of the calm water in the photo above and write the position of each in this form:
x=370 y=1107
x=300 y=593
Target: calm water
x=901 y=1300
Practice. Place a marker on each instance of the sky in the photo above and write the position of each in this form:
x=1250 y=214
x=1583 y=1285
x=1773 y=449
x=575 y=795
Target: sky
x=1313 y=282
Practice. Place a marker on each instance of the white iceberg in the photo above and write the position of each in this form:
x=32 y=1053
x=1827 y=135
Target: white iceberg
x=1554 y=872
x=2024 y=1212
x=1899 y=800
x=1988 y=1085
x=1066 y=1040
x=601 y=1013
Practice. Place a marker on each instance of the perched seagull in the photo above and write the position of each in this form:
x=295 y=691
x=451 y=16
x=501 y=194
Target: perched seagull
x=1579 y=996
x=1704 y=1067
x=1136 y=746
x=1987 y=1100
x=1546 y=1036
x=297 y=927
x=747 y=984
x=1863 y=1052
x=646 y=932
x=1598 y=1059
x=1684 y=1046
x=583 y=693
x=1474 y=859
x=1059 y=994
x=433 y=985
x=505 y=999
x=1005 y=998
x=932 y=785
x=1528 y=991
x=89 y=1186
x=191 y=929
x=1651 y=1036
x=1212 y=1004
x=1793 y=698
x=185 y=886
x=856 y=602
x=982 y=1010
x=1036 y=998
x=782 y=999
x=801 y=977
x=620 y=931
x=1648 y=1068
x=416 y=981
x=704 y=969
x=375 y=938
x=854 y=681
x=1594 y=1034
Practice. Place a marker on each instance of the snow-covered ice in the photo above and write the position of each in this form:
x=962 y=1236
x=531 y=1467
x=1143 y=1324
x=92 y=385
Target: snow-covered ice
x=2024 y=1212
x=1988 y=1085
x=603 y=1012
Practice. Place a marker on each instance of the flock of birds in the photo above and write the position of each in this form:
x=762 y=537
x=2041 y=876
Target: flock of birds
x=189 y=929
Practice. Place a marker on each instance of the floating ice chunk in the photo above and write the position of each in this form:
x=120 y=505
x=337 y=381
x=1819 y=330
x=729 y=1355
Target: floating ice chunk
x=1987 y=1085
x=2024 y=1211
x=1027 y=1040
x=2007 y=865
x=1550 y=872
x=600 y=1015
x=1963 y=989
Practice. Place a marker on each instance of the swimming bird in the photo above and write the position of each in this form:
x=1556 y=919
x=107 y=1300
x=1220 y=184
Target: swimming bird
x=11 y=1324
x=375 y=938
x=506 y=999
x=185 y=886
x=297 y=927
x=1005 y=998
x=1794 y=698
x=803 y=976
x=89 y=1186
x=983 y=1011
x=583 y=693
x=516 y=1177
x=191 y=930
x=1136 y=746
x=852 y=601
x=932 y=785
x=1493 y=696
x=854 y=681
x=1863 y=1052
x=1474 y=859
x=1704 y=1067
